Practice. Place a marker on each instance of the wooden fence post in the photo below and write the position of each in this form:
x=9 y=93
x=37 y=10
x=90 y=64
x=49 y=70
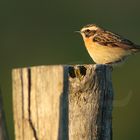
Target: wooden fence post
x=63 y=102
x=3 y=129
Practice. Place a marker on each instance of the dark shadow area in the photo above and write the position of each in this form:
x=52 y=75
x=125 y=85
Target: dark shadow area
x=63 y=133
x=82 y=71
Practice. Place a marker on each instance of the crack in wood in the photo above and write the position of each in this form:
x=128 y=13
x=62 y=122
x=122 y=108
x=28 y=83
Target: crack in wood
x=22 y=94
x=29 y=105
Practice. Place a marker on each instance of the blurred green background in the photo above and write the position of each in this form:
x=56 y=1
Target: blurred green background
x=42 y=32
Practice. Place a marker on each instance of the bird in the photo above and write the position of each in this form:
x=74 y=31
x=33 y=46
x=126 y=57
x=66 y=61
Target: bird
x=106 y=47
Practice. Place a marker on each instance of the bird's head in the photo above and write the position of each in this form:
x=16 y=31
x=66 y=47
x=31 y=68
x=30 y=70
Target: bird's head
x=89 y=30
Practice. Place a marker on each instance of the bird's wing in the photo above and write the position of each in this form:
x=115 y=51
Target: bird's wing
x=110 y=39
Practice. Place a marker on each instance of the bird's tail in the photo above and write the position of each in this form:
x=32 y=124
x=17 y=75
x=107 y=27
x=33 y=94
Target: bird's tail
x=136 y=49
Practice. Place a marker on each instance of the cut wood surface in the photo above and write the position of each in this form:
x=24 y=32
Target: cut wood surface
x=63 y=102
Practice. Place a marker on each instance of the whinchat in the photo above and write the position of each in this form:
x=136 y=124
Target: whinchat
x=106 y=47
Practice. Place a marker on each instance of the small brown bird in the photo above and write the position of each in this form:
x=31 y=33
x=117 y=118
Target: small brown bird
x=106 y=47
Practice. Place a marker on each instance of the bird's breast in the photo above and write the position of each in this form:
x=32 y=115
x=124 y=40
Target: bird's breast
x=104 y=54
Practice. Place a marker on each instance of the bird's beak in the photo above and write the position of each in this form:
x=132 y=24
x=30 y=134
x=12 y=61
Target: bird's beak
x=78 y=32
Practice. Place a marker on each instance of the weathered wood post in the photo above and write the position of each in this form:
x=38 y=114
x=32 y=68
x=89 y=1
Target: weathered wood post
x=3 y=130
x=63 y=102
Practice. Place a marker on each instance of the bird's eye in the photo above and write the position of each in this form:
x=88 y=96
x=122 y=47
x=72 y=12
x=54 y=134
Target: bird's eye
x=87 y=30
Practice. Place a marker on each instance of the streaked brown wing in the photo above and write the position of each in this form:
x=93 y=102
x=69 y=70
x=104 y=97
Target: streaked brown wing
x=110 y=39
